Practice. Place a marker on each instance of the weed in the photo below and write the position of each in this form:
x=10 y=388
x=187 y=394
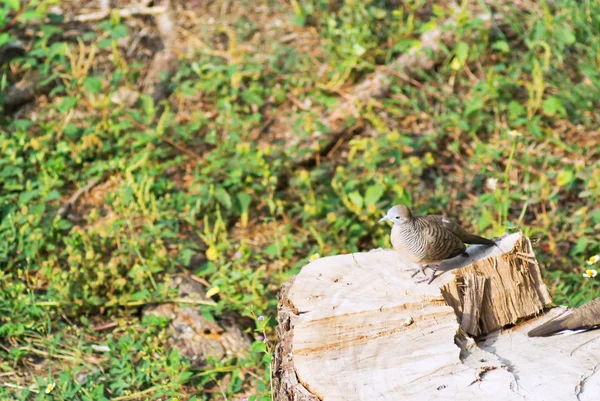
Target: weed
x=214 y=182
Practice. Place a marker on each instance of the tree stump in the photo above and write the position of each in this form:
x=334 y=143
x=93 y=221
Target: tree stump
x=357 y=327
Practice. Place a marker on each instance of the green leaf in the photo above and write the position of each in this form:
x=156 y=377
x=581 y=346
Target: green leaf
x=552 y=106
x=119 y=32
x=54 y=18
x=515 y=110
x=4 y=38
x=185 y=256
x=105 y=43
x=485 y=219
x=475 y=104
x=461 y=52
x=223 y=197
x=564 y=36
x=92 y=84
x=244 y=200
x=14 y=4
x=581 y=245
x=565 y=177
x=258 y=346
x=596 y=216
x=501 y=46
x=147 y=105
x=272 y=249
x=299 y=20
x=373 y=194
x=252 y=96
x=356 y=199
x=67 y=104
x=140 y=295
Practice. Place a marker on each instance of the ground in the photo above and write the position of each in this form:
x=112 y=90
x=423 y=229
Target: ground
x=234 y=144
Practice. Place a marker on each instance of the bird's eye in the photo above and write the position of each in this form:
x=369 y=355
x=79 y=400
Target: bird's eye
x=397 y=217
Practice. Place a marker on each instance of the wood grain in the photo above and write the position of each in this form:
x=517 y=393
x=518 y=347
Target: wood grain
x=356 y=327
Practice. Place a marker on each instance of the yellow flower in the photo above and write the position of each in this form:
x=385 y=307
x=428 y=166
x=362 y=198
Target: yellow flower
x=314 y=257
x=593 y=259
x=50 y=387
x=590 y=273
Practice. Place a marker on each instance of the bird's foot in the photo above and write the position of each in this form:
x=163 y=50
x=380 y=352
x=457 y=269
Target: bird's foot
x=420 y=269
x=429 y=280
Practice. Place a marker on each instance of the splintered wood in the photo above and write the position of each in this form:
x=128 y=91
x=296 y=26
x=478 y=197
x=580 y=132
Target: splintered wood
x=494 y=292
x=357 y=327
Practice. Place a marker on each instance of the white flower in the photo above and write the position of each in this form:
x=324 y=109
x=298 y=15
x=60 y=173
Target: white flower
x=50 y=387
x=314 y=257
x=590 y=273
x=491 y=183
x=594 y=259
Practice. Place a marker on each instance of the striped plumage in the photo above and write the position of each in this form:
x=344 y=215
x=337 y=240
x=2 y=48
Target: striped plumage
x=428 y=240
x=425 y=240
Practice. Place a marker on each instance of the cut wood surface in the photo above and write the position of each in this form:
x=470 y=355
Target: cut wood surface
x=357 y=327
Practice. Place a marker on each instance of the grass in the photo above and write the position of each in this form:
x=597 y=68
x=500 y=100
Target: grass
x=213 y=181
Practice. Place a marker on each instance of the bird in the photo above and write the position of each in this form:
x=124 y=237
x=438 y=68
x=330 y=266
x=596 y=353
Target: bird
x=428 y=240
x=586 y=317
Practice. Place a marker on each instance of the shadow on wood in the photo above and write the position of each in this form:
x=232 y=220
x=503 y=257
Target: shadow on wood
x=357 y=327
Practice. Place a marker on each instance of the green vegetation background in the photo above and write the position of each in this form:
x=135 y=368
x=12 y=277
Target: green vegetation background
x=503 y=134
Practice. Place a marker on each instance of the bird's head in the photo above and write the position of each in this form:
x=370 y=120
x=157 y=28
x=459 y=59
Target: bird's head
x=398 y=214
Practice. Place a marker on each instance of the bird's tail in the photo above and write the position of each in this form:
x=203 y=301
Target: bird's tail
x=547 y=328
x=475 y=239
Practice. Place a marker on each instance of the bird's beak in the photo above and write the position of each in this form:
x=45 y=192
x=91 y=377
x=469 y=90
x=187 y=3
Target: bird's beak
x=384 y=218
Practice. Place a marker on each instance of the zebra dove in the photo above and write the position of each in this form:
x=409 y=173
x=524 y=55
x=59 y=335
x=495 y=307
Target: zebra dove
x=586 y=317
x=428 y=240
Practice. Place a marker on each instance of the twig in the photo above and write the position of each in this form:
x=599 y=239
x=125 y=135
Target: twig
x=13 y=20
x=18 y=387
x=136 y=394
x=267 y=125
x=181 y=148
x=105 y=326
x=64 y=209
x=297 y=103
x=169 y=301
x=200 y=280
x=123 y=13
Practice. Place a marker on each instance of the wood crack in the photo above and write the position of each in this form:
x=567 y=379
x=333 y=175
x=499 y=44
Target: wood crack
x=579 y=388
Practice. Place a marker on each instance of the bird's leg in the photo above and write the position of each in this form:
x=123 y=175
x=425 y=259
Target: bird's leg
x=433 y=276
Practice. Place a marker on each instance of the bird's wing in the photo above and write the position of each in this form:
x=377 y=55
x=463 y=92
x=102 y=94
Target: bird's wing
x=441 y=242
x=586 y=316
x=458 y=231
x=447 y=224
